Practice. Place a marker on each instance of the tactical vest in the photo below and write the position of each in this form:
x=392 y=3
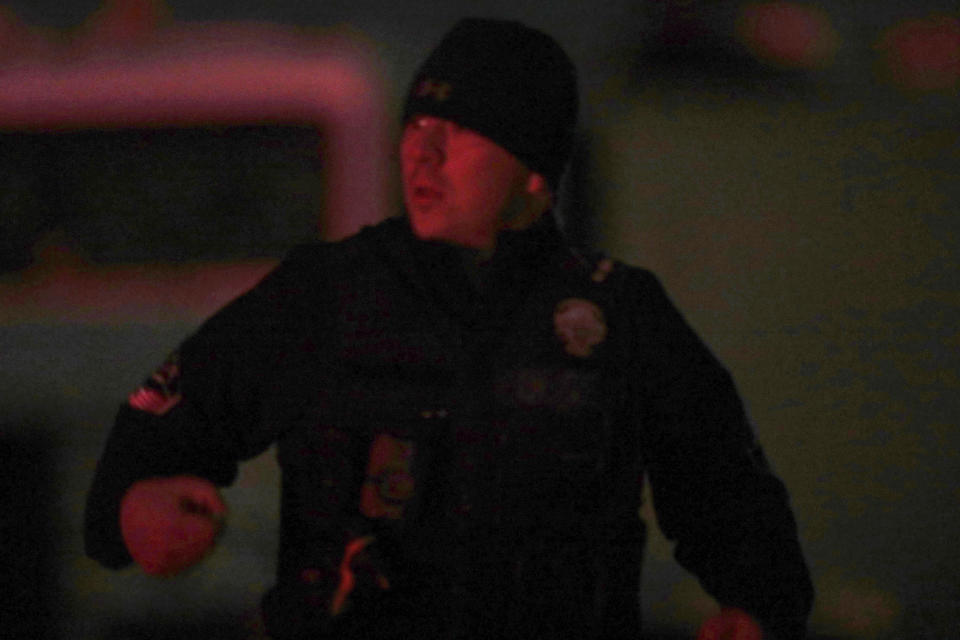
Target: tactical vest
x=464 y=482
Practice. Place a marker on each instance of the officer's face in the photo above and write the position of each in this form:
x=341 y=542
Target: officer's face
x=463 y=188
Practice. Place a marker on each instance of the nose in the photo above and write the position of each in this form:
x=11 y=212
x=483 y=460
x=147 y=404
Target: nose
x=426 y=143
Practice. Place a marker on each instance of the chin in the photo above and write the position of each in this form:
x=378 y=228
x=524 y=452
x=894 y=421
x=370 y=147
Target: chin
x=436 y=229
x=449 y=236
x=424 y=229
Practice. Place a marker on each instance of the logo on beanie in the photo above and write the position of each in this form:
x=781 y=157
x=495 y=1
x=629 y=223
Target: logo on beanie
x=435 y=89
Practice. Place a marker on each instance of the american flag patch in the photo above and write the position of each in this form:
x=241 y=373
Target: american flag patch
x=161 y=391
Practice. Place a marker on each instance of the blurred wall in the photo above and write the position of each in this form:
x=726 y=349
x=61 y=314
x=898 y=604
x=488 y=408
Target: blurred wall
x=812 y=243
x=803 y=221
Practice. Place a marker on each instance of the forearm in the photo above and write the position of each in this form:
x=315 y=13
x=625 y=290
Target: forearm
x=753 y=562
x=139 y=446
x=731 y=519
x=714 y=491
x=197 y=415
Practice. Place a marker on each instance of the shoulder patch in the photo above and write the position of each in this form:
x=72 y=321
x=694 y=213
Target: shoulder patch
x=161 y=391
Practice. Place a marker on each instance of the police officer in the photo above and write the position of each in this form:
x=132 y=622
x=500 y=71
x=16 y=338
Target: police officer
x=465 y=407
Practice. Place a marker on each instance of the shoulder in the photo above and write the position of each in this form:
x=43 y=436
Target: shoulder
x=602 y=269
x=389 y=231
x=315 y=259
x=634 y=291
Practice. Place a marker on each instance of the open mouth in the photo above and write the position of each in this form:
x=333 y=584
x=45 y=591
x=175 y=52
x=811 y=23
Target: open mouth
x=424 y=195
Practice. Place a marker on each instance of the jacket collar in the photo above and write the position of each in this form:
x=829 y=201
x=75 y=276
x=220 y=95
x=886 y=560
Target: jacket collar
x=469 y=288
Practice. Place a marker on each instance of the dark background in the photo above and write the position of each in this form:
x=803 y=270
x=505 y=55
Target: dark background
x=804 y=221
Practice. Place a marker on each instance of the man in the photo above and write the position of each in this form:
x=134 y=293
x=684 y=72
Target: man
x=464 y=406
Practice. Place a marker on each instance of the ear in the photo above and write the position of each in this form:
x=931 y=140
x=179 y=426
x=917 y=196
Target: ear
x=539 y=191
x=537 y=186
x=534 y=199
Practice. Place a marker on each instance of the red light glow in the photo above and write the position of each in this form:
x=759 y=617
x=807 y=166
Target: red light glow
x=124 y=22
x=787 y=35
x=922 y=54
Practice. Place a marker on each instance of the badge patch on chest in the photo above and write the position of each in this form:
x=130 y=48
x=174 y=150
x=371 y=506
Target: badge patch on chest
x=579 y=325
x=389 y=484
x=161 y=391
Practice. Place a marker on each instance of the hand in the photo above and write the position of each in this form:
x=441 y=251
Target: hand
x=731 y=624
x=169 y=524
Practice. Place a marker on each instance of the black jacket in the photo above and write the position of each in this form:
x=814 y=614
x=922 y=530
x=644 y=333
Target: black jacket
x=484 y=431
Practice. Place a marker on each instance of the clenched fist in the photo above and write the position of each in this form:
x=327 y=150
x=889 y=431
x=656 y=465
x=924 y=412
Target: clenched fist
x=169 y=524
x=731 y=624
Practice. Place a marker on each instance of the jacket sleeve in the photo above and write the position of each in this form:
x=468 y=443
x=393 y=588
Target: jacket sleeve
x=714 y=493
x=208 y=407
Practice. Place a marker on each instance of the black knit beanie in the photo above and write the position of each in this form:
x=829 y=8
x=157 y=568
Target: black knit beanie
x=508 y=82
